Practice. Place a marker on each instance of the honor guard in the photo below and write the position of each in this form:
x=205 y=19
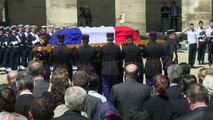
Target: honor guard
x=192 y=42
x=86 y=55
x=7 y=49
x=170 y=51
x=43 y=29
x=201 y=36
x=110 y=74
x=152 y=52
x=61 y=55
x=57 y=28
x=21 y=46
x=133 y=55
x=14 y=58
x=32 y=40
x=209 y=35
x=43 y=56
x=50 y=33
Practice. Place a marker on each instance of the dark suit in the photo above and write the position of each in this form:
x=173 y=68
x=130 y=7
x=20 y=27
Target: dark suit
x=210 y=103
x=61 y=56
x=152 y=52
x=7 y=51
x=110 y=74
x=170 y=48
x=91 y=106
x=201 y=113
x=86 y=55
x=174 y=92
x=22 y=105
x=133 y=54
x=40 y=87
x=128 y=96
x=71 y=115
x=159 y=108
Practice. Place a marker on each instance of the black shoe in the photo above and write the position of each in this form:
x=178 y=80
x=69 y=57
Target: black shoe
x=202 y=63
x=199 y=63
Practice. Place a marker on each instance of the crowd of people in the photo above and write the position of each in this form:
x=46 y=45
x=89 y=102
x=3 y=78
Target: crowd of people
x=108 y=83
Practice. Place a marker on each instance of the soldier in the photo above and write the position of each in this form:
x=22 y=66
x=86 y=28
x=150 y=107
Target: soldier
x=21 y=47
x=32 y=40
x=26 y=50
x=61 y=56
x=209 y=35
x=152 y=52
x=193 y=43
x=43 y=29
x=170 y=51
x=86 y=55
x=111 y=55
x=7 y=49
x=43 y=56
x=15 y=51
x=201 y=36
x=57 y=28
x=50 y=33
x=133 y=55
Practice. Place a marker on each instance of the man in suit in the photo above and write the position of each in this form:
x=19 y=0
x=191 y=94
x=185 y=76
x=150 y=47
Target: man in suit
x=86 y=55
x=170 y=51
x=2 y=47
x=152 y=52
x=74 y=99
x=197 y=97
x=133 y=54
x=111 y=56
x=36 y=68
x=130 y=94
x=174 y=92
x=24 y=83
x=61 y=55
x=11 y=78
x=81 y=78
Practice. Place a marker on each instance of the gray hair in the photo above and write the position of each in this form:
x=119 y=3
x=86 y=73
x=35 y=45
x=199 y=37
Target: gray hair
x=24 y=81
x=174 y=73
x=75 y=98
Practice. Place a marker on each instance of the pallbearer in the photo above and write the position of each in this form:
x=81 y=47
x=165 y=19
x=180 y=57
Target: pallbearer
x=111 y=55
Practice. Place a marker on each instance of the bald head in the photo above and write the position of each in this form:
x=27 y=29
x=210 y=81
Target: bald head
x=131 y=71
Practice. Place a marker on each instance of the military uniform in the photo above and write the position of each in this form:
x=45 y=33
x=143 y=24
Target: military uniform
x=209 y=32
x=14 y=58
x=133 y=54
x=61 y=56
x=110 y=74
x=7 y=49
x=86 y=55
x=2 y=46
x=202 y=44
x=170 y=52
x=152 y=52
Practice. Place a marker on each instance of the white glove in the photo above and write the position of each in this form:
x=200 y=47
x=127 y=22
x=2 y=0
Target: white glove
x=19 y=40
x=5 y=43
x=35 y=41
x=14 y=42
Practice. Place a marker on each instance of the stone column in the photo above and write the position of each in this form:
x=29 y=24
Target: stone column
x=195 y=10
x=61 y=12
x=132 y=13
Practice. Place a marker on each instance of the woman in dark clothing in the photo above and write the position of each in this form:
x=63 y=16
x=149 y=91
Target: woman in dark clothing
x=159 y=107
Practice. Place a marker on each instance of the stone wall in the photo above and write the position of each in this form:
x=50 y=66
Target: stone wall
x=195 y=10
x=61 y=12
x=134 y=12
x=27 y=12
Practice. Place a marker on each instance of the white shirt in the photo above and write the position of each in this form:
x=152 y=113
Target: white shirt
x=208 y=31
x=97 y=95
x=191 y=36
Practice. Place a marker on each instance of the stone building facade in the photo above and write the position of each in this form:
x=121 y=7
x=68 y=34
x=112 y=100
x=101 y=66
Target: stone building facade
x=143 y=15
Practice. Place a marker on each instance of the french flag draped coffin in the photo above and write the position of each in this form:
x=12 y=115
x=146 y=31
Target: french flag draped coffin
x=96 y=34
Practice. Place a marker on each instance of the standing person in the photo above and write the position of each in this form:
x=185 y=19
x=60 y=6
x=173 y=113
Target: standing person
x=164 y=17
x=197 y=97
x=133 y=55
x=32 y=40
x=201 y=36
x=21 y=44
x=14 y=58
x=170 y=51
x=2 y=47
x=193 y=43
x=152 y=52
x=86 y=55
x=209 y=35
x=26 y=49
x=87 y=16
x=50 y=33
x=174 y=14
x=110 y=73
x=61 y=55
x=124 y=97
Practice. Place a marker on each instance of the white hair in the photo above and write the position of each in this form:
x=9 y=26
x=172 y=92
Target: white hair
x=75 y=98
x=174 y=73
